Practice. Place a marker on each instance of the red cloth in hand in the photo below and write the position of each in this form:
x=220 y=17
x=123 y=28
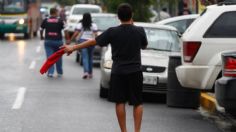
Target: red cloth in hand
x=52 y=60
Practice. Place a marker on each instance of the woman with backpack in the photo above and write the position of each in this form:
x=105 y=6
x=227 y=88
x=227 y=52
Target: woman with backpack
x=86 y=30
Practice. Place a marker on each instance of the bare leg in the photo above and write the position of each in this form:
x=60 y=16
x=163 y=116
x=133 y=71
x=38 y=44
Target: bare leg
x=121 y=116
x=138 y=113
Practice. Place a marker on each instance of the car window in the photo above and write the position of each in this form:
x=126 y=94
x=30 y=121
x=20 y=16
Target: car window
x=104 y=22
x=223 y=27
x=163 y=40
x=181 y=25
x=80 y=11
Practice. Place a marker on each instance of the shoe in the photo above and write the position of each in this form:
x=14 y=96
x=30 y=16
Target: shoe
x=50 y=75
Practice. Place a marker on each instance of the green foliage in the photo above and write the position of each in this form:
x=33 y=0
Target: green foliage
x=67 y=2
x=140 y=7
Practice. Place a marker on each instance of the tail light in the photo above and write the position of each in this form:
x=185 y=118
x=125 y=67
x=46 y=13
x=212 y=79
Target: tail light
x=190 y=50
x=229 y=63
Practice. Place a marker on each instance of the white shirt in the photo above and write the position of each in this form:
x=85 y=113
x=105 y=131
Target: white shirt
x=88 y=34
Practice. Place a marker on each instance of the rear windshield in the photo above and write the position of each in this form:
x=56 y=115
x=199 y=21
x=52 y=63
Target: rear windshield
x=105 y=22
x=80 y=11
x=162 y=40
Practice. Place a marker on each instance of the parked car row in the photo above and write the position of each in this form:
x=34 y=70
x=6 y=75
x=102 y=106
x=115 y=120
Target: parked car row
x=204 y=38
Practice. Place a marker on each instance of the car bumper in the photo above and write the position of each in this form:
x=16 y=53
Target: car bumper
x=160 y=87
x=225 y=92
x=197 y=77
x=13 y=28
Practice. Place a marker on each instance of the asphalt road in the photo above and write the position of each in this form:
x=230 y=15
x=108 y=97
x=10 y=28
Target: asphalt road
x=30 y=102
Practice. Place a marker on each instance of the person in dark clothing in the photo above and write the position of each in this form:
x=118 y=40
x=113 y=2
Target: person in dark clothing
x=126 y=41
x=53 y=27
x=62 y=13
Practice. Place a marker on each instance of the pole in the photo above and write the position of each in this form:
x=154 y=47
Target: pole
x=159 y=10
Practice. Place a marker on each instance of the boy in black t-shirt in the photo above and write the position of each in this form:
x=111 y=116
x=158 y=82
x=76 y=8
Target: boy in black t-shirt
x=126 y=77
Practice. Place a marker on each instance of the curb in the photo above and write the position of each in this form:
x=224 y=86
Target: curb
x=208 y=102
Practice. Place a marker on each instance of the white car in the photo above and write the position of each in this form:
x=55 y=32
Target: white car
x=213 y=33
x=76 y=14
x=181 y=23
x=163 y=41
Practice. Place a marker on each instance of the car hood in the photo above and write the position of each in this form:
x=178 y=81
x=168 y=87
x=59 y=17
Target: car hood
x=156 y=58
x=75 y=17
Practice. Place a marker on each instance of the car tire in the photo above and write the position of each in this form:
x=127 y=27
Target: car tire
x=26 y=35
x=81 y=60
x=231 y=111
x=35 y=34
x=2 y=35
x=77 y=58
x=103 y=92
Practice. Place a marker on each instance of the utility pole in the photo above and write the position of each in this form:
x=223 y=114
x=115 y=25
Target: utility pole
x=159 y=9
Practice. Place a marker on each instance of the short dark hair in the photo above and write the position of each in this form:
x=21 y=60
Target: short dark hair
x=124 y=12
x=53 y=11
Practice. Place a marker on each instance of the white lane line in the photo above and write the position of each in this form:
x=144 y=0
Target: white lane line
x=32 y=65
x=38 y=49
x=19 y=99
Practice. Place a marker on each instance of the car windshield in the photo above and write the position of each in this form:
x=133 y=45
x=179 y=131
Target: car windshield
x=12 y=6
x=162 y=40
x=104 y=22
x=80 y=11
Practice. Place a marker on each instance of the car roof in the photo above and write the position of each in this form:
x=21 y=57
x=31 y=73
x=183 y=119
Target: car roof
x=103 y=14
x=153 y=25
x=86 y=5
x=177 y=18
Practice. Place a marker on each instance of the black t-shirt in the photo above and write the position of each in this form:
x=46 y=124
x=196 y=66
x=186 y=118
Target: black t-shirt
x=53 y=27
x=126 y=43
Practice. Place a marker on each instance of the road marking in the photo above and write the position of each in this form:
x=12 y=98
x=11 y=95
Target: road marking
x=19 y=99
x=38 y=49
x=32 y=65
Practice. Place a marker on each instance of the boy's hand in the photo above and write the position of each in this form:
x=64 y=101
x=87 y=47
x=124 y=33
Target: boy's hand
x=68 y=49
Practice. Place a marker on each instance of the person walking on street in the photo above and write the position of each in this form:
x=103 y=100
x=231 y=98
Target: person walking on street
x=126 y=84
x=62 y=13
x=87 y=30
x=53 y=27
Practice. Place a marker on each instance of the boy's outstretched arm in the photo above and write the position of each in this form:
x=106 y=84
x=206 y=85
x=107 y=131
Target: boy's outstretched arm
x=70 y=48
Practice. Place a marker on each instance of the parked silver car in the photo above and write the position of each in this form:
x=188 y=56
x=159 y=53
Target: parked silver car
x=163 y=41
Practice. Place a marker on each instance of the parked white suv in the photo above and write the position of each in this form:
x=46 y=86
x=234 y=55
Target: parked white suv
x=213 y=33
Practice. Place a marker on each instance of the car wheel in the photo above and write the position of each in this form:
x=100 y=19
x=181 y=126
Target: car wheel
x=26 y=35
x=2 y=35
x=77 y=59
x=231 y=111
x=103 y=92
x=35 y=34
x=81 y=60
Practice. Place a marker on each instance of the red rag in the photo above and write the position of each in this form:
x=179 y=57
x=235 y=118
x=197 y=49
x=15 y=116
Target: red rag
x=52 y=60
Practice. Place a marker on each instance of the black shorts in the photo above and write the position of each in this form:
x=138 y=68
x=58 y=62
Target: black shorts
x=126 y=88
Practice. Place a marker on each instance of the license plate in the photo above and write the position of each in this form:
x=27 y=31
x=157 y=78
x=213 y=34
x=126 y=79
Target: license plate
x=150 y=80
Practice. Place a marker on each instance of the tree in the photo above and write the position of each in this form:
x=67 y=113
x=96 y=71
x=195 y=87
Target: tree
x=140 y=8
x=67 y=2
